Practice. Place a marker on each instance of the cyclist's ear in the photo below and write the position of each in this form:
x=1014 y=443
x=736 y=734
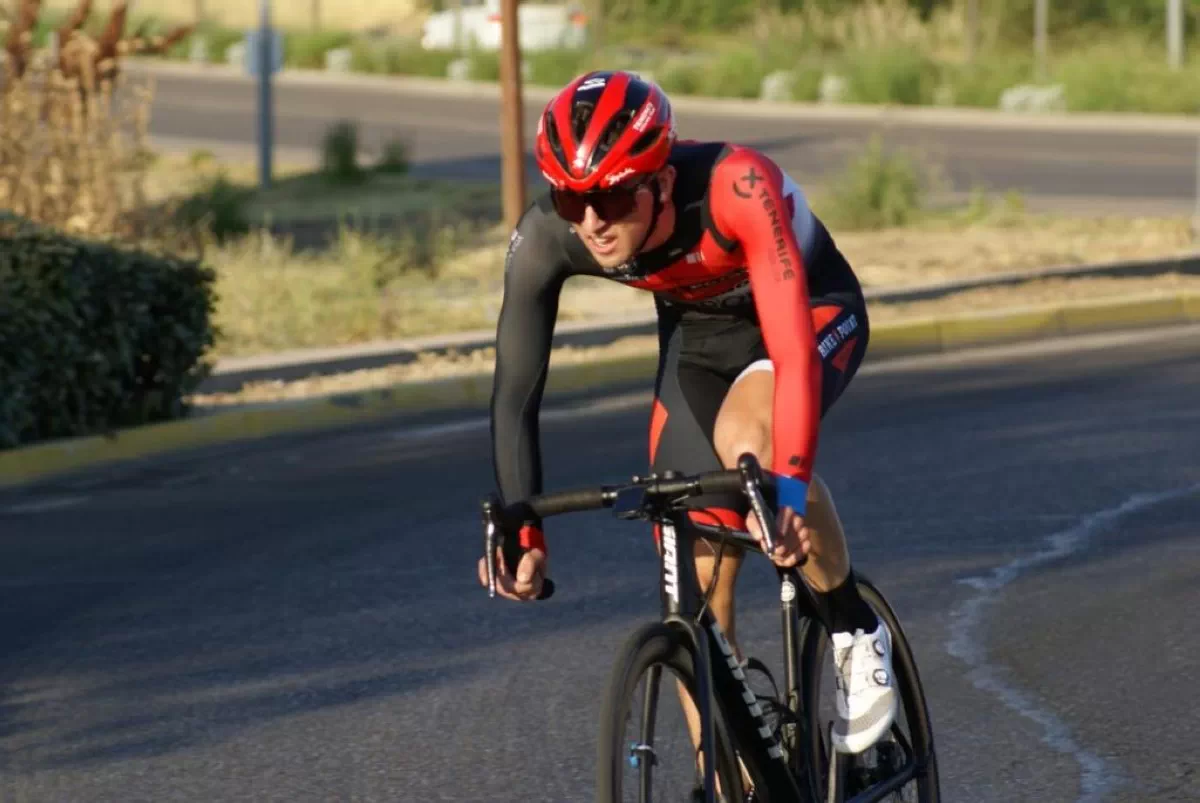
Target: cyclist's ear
x=666 y=183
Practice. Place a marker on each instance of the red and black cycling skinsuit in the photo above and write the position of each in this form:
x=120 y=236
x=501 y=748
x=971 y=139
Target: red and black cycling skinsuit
x=748 y=274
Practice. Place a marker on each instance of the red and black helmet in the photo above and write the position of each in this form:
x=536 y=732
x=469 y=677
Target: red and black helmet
x=603 y=129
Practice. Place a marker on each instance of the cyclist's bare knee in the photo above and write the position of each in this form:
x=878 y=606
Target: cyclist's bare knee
x=744 y=421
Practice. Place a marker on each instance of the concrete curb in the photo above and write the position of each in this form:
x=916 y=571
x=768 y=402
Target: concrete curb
x=231 y=374
x=472 y=392
x=731 y=107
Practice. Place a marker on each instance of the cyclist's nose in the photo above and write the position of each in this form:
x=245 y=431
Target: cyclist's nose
x=592 y=222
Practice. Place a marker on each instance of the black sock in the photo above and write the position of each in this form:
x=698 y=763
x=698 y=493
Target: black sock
x=846 y=608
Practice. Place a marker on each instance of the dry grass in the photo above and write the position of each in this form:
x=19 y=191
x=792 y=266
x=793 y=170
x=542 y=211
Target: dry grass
x=367 y=289
x=340 y=14
x=72 y=155
x=430 y=366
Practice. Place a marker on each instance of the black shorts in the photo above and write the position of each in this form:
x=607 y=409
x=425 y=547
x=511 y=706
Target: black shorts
x=700 y=359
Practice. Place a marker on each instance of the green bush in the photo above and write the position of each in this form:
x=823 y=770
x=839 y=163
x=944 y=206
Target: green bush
x=339 y=153
x=308 y=48
x=395 y=157
x=399 y=57
x=485 y=65
x=894 y=75
x=1122 y=76
x=877 y=190
x=737 y=73
x=981 y=84
x=94 y=337
x=555 y=67
x=218 y=207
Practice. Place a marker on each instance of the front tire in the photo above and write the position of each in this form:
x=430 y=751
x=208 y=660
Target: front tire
x=625 y=772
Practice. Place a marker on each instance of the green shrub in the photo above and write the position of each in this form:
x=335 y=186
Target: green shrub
x=555 y=67
x=395 y=157
x=218 y=208
x=485 y=65
x=1126 y=75
x=308 y=48
x=981 y=84
x=399 y=57
x=877 y=190
x=339 y=153
x=736 y=73
x=95 y=337
x=680 y=76
x=894 y=75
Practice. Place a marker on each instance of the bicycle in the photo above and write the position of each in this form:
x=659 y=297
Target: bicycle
x=790 y=762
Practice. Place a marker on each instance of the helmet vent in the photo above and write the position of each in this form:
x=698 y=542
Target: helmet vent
x=581 y=115
x=612 y=132
x=555 y=142
x=645 y=141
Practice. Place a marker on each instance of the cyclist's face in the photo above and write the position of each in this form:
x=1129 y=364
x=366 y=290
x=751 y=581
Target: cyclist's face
x=612 y=242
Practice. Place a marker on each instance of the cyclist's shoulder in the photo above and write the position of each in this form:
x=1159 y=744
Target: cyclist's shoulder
x=538 y=241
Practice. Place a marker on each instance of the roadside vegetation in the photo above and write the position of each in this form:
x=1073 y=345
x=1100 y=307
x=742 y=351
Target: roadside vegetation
x=441 y=270
x=1107 y=55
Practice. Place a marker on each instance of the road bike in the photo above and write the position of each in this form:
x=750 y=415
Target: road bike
x=762 y=748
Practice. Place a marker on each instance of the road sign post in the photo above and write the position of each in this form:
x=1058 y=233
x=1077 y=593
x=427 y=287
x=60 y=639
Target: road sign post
x=263 y=57
x=511 y=137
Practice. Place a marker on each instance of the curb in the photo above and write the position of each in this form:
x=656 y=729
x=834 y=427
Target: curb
x=231 y=374
x=472 y=392
x=1166 y=124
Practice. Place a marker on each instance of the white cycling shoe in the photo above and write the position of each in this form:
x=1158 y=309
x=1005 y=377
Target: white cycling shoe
x=866 y=689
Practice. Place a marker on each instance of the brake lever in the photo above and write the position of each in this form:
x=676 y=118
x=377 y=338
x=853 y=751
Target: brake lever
x=752 y=484
x=489 y=543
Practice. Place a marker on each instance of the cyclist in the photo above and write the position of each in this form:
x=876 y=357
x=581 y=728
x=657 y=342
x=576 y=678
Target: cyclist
x=762 y=324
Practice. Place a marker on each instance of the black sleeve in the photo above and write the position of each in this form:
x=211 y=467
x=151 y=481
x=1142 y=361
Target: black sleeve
x=534 y=271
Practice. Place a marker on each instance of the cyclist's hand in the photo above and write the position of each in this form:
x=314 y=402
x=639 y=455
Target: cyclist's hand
x=527 y=585
x=792 y=541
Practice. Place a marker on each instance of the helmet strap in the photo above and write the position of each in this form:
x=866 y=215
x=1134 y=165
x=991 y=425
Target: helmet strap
x=658 y=207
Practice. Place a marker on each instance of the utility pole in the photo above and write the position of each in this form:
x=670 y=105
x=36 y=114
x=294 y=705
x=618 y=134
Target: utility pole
x=512 y=150
x=1175 y=33
x=1040 y=15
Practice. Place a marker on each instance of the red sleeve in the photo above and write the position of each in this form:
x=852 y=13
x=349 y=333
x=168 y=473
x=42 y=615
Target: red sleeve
x=748 y=207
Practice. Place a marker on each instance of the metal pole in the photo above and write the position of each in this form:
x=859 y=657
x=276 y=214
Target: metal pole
x=265 y=132
x=1175 y=33
x=1040 y=15
x=1196 y=210
x=512 y=141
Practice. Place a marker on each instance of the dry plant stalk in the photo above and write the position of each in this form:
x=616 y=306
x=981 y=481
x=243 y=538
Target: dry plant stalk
x=73 y=139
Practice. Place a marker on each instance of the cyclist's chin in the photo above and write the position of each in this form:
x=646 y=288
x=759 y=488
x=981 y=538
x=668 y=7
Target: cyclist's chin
x=614 y=253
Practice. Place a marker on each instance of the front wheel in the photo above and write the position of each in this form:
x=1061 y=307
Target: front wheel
x=646 y=751
x=909 y=744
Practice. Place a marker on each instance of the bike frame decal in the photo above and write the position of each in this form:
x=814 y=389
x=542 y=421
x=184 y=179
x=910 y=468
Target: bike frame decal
x=670 y=564
x=774 y=750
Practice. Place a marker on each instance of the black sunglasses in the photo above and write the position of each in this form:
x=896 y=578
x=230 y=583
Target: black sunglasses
x=610 y=205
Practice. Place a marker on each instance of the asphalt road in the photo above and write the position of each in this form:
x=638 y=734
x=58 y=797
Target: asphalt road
x=1126 y=173
x=298 y=620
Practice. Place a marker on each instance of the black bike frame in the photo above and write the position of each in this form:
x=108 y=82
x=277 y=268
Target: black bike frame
x=722 y=681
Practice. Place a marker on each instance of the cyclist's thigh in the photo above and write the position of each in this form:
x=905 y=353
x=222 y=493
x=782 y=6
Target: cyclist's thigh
x=688 y=396
x=840 y=324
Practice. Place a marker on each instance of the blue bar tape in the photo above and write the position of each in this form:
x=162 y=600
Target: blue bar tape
x=791 y=492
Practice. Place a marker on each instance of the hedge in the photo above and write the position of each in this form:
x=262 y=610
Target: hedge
x=93 y=336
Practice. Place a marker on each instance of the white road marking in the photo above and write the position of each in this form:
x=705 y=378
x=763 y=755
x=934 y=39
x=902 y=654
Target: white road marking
x=44 y=505
x=966 y=643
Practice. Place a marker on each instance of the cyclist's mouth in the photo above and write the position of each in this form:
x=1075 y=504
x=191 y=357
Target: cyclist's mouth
x=604 y=245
